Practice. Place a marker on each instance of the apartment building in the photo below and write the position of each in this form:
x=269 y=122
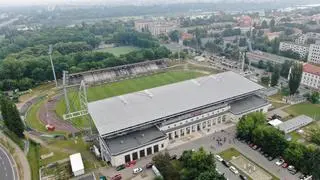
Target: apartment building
x=314 y=54
x=299 y=48
x=311 y=76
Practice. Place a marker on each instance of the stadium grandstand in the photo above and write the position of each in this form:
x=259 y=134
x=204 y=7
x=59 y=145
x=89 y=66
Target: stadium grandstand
x=117 y=73
x=139 y=124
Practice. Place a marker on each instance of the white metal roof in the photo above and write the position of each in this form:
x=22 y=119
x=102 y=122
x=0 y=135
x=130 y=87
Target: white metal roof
x=76 y=162
x=116 y=113
x=295 y=123
x=275 y=122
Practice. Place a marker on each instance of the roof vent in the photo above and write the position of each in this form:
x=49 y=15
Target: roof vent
x=142 y=135
x=123 y=100
x=121 y=142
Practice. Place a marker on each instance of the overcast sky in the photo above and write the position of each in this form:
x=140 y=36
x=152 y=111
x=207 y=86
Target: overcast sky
x=111 y=2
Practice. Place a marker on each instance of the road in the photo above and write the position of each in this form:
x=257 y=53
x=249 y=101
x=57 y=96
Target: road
x=7 y=169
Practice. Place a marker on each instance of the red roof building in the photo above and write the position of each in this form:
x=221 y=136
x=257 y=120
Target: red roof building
x=311 y=76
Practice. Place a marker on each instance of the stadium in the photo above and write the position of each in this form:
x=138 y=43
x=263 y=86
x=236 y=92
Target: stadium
x=139 y=124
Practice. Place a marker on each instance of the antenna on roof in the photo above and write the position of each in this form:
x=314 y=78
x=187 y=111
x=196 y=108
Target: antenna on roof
x=123 y=100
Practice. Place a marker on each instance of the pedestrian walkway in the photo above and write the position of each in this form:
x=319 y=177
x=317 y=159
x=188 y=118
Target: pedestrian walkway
x=23 y=164
x=199 y=134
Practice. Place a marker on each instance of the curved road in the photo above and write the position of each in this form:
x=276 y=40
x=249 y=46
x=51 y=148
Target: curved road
x=7 y=169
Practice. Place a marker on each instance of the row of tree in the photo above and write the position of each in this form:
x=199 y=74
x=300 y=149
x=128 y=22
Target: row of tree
x=192 y=165
x=25 y=72
x=11 y=116
x=254 y=128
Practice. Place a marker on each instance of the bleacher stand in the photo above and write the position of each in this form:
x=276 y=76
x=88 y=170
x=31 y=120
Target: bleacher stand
x=117 y=73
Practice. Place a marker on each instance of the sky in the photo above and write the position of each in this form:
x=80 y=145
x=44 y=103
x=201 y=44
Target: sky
x=110 y=2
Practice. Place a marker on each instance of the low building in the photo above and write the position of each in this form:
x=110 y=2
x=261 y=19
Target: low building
x=76 y=164
x=139 y=124
x=314 y=54
x=294 y=123
x=302 y=50
x=275 y=122
x=311 y=76
x=256 y=56
x=295 y=99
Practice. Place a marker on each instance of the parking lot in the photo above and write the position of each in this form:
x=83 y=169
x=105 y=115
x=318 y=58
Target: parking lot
x=209 y=143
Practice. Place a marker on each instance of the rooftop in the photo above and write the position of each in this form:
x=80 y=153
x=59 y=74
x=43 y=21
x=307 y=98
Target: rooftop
x=247 y=104
x=121 y=144
x=298 y=121
x=312 y=69
x=76 y=162
x=275 y=122
x=145 y=107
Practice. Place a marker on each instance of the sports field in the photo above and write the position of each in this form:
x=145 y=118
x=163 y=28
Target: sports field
x=128 y=86
x=117 y=51
x=312 y=110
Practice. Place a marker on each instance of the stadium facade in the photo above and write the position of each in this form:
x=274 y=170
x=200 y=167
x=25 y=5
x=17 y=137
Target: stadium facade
x=139 y=124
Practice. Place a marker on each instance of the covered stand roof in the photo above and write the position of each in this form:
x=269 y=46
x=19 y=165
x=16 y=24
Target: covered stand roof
x=121 y=112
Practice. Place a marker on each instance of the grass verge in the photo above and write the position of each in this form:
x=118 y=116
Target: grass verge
x=117 y=51
x=33 y=158
x=312 y=110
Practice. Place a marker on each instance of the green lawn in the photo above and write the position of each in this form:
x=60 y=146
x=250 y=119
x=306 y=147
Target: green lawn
x=128 y=86
x=33 y=158
x=312 y=110
x=229 y=153
x=117 y=51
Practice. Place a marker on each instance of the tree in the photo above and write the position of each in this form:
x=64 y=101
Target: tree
x=275 y=76
x=210 y=175
x=174 y=35
x=162 y=162
x=272 y=23
x=11 y=116
x=248 y=123
x=313 y=134
x=295 y=77
x=264 y=24
x=315 y=97
x=265 y=80
x=285 y=67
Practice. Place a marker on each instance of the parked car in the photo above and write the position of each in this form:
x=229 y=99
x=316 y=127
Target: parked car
x=149 y=165
x=219 y=172
x=119 y=168
x=103 y=178
x=266 y=155
x=225 y=163
x=173 y=157
x=270 y=158
x=234 y=170
x=219 y=158
x=243 y=177
x=254 y=147
x=137 y=170
x=279 y=162
x=285 y=165
x=116 y=177
x=251 y=145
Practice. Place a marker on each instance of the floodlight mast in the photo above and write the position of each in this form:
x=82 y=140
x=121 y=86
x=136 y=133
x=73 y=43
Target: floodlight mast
x=53 y=71
x=64 y=84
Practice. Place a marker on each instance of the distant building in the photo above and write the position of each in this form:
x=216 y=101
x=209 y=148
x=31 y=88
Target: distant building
x=311 y=76
x=273 y=35
x=244 y=21
x=154 y=27
x=299 y=48
x=186 y=36
x=314 y=54
x=303 y=38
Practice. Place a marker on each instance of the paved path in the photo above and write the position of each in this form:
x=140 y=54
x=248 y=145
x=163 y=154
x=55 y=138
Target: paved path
x=20 y=156
x=8 y=169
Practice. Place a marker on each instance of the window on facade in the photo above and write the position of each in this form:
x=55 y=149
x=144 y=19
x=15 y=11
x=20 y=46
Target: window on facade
x=155 y=148
x=162 y=145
